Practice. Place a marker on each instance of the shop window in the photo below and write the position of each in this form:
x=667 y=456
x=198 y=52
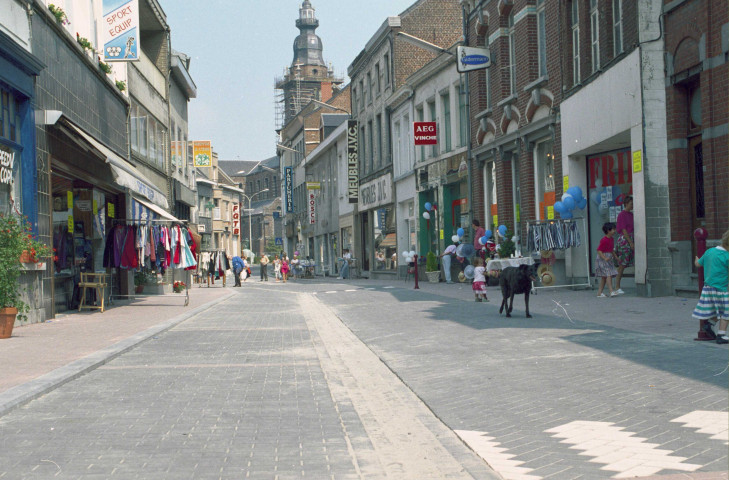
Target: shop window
x=575 y=17
x=397 y=148
x=378 y=81
x=420 y=115
x=617 y=27
x=433 y=150
x=378 y=133
x=490 y=194
x=385 y=239
x=462 y=117
x=544 y=159
x=542 y=38
x=512 y=55
x=387 y=70
x=595 y=35
x=369 y=87
x=10 y=176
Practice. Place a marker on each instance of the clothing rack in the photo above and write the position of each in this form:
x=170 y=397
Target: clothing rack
x=187 y=275
x=579 y=221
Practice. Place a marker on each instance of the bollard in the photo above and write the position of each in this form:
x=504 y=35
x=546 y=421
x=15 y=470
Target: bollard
x=700 y=234
x=415 y=258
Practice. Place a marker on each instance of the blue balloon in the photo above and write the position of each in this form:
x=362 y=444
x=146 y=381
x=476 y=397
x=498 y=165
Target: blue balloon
x=460 y=232
x=575 y=191
x=428 y=206
x=483 y=240
x=502 y=230
x=566 y=215
x=488 y=234
x=582 y=203
x=569 y=202
x=559 y=206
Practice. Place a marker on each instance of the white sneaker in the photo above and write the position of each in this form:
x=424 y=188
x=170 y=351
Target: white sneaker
x=615 y=294
x=602 y=295
x=619 y=291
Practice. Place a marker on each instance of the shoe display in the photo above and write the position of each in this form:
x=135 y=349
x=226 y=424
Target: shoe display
x=620 y=291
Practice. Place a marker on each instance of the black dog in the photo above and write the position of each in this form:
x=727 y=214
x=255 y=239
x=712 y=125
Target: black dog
x=513 y=280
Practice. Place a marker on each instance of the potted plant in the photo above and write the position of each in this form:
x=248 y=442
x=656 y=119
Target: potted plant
x=16 y=241
x=60 y=15
x=140 y=280
x=178 y=286
x=431 y=268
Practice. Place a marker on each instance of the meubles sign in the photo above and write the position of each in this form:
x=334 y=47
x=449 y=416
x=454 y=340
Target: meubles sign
x=425 y=133
x=352 y=162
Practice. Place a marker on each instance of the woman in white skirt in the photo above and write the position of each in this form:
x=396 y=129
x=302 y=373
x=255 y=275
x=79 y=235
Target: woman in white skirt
x=604 y=266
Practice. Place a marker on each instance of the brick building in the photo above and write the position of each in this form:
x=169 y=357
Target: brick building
x=696 y=46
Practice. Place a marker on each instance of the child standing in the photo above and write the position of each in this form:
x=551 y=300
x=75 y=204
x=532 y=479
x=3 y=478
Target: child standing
x=277 y=268
x=604 y=267
x=479 y=280
x=714 y=300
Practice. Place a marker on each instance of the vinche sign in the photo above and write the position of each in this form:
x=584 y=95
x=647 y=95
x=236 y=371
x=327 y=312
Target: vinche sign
x=425 y=133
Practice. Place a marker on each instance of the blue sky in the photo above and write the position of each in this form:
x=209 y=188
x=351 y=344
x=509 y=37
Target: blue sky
x=238 y=48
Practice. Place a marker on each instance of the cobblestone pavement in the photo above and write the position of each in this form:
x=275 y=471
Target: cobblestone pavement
x=264 y=384
x=583 y=390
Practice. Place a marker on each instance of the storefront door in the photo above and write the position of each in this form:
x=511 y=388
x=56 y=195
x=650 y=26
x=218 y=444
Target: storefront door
x=696 y=174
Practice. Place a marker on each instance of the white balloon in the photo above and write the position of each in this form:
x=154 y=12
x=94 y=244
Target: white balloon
x=411 y=253
x=426 y=215
x=405 y=253
x=480 y=240
x=515 y=239
x=409 y=259
x=455 y=238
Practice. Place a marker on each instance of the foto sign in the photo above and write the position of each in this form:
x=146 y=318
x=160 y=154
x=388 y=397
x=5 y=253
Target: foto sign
x=120 y=30
x=425 y=133
x=472 y=58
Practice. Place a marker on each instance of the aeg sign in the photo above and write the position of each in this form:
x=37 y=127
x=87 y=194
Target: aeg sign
x=425 y=133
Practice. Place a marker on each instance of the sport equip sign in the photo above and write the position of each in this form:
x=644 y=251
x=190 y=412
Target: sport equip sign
x=120 y=30
x=425 y=133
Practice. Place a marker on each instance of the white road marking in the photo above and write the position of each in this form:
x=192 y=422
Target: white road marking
x=620 y=451
x=715 y=424
x=388 y=287
x=490 y=451
x=332 y=291
x=352 y=290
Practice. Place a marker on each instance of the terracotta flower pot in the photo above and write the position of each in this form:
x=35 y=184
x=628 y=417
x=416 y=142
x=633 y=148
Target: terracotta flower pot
x=26 y=257
x=7 y=321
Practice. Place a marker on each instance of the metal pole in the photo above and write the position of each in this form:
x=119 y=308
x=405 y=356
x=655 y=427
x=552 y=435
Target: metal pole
x=250 y=229
x=415 y=258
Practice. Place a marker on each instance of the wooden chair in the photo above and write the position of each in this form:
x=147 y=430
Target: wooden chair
x=97 y=281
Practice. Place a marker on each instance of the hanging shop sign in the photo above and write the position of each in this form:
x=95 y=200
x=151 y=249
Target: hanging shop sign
x=425 y=133
x=376 y=192
x=312 y=208
x=352 y=161
x=202 y=153
x=289 y=188
x=120 y=30
x=236 y=219
x=201 y=228
x=313 y=185
x=472 y=58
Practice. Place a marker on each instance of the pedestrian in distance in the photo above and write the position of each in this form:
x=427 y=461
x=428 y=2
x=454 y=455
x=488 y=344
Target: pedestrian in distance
x=284 y=267
x=478 y=232
x=479 y=280
x=346 y=259
x=604 y=267
x=624 y=246
x=244 y=274
x=237 y=268
x=277 y=267
x=264 y=267
x=714 y=301
x=446 y=258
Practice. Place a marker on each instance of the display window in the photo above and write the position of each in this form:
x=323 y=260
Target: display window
x=610 y=180
x=546 y=198
x=385 y=239
x=10 y=150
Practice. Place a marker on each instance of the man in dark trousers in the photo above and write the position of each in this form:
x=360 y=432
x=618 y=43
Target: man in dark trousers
x=237 y=268
x=264 y=267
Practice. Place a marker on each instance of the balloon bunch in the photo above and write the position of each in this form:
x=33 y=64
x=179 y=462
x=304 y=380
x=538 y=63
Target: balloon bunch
x=571 y=199
x=408 y=256
x=486 y=237
x=429 y=207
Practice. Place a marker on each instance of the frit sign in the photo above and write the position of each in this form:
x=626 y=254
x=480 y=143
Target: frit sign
x=425 y=133
x=236 y=219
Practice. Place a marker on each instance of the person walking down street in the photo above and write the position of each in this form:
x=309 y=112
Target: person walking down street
x=277 y=268
x=714 y=301
x=478 y=232
x=604 y=267
x=346 y=258
x=237 y=268
x=479 y=280
x=264 y=267
x=284 y=267
x=446 y=258
x=624 y=246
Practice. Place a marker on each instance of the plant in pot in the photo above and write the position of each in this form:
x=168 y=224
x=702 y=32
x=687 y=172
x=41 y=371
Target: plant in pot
x=16 y=241
x=140 y=280
x=431 y=268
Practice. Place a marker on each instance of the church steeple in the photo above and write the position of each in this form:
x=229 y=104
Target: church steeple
x=307 y=46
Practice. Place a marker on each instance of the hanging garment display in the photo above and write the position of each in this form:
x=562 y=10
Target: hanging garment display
x=553 y=235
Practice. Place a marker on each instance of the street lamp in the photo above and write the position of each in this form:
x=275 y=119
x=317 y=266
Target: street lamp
x=250 y=211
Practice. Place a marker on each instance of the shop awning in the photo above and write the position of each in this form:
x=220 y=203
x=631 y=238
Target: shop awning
x=163 y=214
x=126 y=174
x=390 y=240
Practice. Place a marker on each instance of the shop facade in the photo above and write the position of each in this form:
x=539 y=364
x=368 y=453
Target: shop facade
x=378 y=233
